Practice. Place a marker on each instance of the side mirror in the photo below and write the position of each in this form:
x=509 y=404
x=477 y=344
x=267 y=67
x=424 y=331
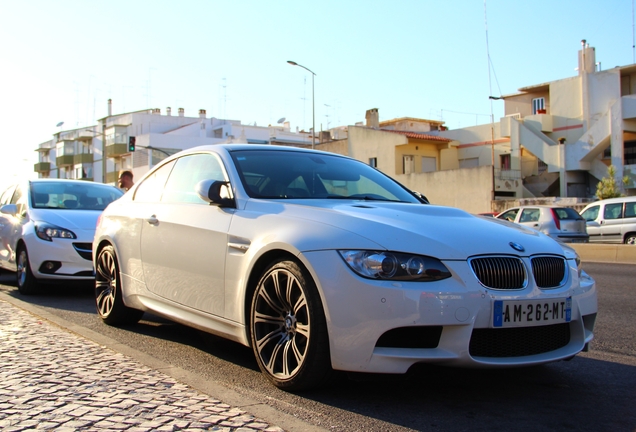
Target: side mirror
x=9 y=209
x=215 y=192
x=421 y=197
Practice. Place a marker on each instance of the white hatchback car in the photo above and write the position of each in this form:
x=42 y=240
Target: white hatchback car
x=561 y=223
x=321 y=262
x=47 y=228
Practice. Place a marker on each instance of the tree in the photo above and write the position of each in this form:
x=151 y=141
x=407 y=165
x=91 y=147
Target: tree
x=608 y=187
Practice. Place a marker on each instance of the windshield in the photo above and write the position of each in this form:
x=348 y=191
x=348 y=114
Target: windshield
x=281 y=174
x=71 y=195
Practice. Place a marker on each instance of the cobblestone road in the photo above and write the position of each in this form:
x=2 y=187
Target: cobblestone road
x=52 y=379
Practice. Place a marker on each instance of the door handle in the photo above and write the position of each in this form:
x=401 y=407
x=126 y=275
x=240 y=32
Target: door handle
x=152 y=220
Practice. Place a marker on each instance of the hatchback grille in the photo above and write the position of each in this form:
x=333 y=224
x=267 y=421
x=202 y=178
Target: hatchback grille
x=500 y=272
x=518 y=342
x=549 y=272
x=85 y=250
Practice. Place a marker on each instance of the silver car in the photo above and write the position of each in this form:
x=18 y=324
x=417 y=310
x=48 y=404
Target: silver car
x=47 y=228
x=561 y=223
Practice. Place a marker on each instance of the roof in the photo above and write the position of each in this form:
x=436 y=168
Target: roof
x=421 y=136
x=414 y=119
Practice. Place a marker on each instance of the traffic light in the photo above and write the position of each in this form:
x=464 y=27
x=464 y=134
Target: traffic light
x=131 y=144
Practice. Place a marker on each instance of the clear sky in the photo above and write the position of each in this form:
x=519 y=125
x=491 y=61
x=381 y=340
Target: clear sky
x=61 y=60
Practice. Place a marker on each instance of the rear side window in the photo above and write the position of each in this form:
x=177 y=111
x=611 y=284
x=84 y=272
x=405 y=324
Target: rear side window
x=630 y=209
x=530 y=215
x=566 y=213
x=613 y=211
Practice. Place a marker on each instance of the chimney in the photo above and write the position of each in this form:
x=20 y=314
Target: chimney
x=202 y=113
x=110 y=107
x=373 y=118
x=181 y=112
x=587 y=58
x=168 y=111
x=156 y=111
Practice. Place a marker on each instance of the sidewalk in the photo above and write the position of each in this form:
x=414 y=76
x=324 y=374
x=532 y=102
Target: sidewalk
x=53 y=379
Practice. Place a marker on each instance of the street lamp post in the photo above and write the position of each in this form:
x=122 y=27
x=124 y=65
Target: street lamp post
x=313 y=102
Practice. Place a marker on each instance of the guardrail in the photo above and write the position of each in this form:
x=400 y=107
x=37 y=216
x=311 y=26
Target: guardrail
x=610 y=253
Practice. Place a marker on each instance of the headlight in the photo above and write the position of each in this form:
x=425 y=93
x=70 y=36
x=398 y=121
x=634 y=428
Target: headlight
x=395 y=266
x=48 y=232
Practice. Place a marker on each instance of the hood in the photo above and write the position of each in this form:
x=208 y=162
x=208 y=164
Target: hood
x=442 y=232
x=67 y=218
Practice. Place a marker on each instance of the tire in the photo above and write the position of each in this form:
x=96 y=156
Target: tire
x=108 y=291
x=631 y=240
x=27 y=283
x=288 y=328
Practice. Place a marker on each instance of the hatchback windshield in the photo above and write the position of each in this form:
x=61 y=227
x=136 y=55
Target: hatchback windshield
x=62 y=195
x=288 y=175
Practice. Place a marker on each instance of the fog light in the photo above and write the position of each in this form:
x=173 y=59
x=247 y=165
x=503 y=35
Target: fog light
x=50 y=267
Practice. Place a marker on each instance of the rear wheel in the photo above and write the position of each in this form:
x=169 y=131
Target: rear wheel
x=288 y=328
x=27 y=283
x=108 y=293
x=630 y=239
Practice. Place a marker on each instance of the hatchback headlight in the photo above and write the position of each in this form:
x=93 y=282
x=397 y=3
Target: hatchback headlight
x=395 y=266
x=48 y=232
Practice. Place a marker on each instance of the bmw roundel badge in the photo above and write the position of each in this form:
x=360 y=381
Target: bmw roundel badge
x=517 y=247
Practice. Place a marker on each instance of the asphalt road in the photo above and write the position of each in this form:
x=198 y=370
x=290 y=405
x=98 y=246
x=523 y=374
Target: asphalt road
x=594 y=392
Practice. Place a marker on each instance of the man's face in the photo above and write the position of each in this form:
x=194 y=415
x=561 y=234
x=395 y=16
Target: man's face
x=125 y=182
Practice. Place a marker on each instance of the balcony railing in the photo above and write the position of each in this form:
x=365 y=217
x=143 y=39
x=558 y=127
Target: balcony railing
x=83 y=158
x=116 y=150
x=504 y=174
x=42 y=167
x=65 y=160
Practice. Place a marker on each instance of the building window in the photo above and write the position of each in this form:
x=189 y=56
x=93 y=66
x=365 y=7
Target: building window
x=537 y=105
x=373 y=162
x=429 y=164
x=408 y=164
x=505 y=161
x=469 y=162
x=630 y=152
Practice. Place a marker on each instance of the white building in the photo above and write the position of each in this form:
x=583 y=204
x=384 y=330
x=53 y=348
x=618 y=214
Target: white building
x=79 y=153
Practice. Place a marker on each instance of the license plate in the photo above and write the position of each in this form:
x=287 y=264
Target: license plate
x=528 y=313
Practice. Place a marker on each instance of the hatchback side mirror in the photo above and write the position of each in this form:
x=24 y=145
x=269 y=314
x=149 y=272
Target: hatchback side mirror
x=216 y=192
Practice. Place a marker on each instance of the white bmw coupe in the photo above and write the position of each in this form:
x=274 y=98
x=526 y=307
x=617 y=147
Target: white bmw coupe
x=320 y=262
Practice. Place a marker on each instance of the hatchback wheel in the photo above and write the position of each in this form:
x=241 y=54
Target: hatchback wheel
x=27 y=283
x=288 y=329
x=108 y=293
x=631 y=239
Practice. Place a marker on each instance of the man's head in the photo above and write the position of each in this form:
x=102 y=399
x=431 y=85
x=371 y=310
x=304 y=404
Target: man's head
x=125 y=180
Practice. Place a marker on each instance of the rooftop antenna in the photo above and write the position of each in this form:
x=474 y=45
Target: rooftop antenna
x=281 y=120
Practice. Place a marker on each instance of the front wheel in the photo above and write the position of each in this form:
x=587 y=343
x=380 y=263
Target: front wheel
x=27 y=283
x=108 y=291
x=631 y=239
x=288 y=328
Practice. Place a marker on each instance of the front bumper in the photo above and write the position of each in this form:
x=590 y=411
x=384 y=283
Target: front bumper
x=451 y=319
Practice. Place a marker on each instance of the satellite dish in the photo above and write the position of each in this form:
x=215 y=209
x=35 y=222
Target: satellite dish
x=59 y=124
x=281 y=120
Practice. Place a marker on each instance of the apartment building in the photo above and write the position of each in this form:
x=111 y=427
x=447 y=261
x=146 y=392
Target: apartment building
x=100 y=152
x=554 y=143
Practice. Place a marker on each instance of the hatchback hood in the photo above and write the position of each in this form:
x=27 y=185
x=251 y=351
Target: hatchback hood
x=67 y=218
x=443 y=232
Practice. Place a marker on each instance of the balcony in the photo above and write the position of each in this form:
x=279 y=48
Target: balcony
x=65 y=160
x=83 y=158
x=42 y=167
x=115 y=150
x=112 y=177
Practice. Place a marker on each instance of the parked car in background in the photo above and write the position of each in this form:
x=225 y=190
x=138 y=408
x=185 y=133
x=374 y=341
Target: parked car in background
x=561 y=223
x=319 y=262
x=47 y=228
x=612 y=220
